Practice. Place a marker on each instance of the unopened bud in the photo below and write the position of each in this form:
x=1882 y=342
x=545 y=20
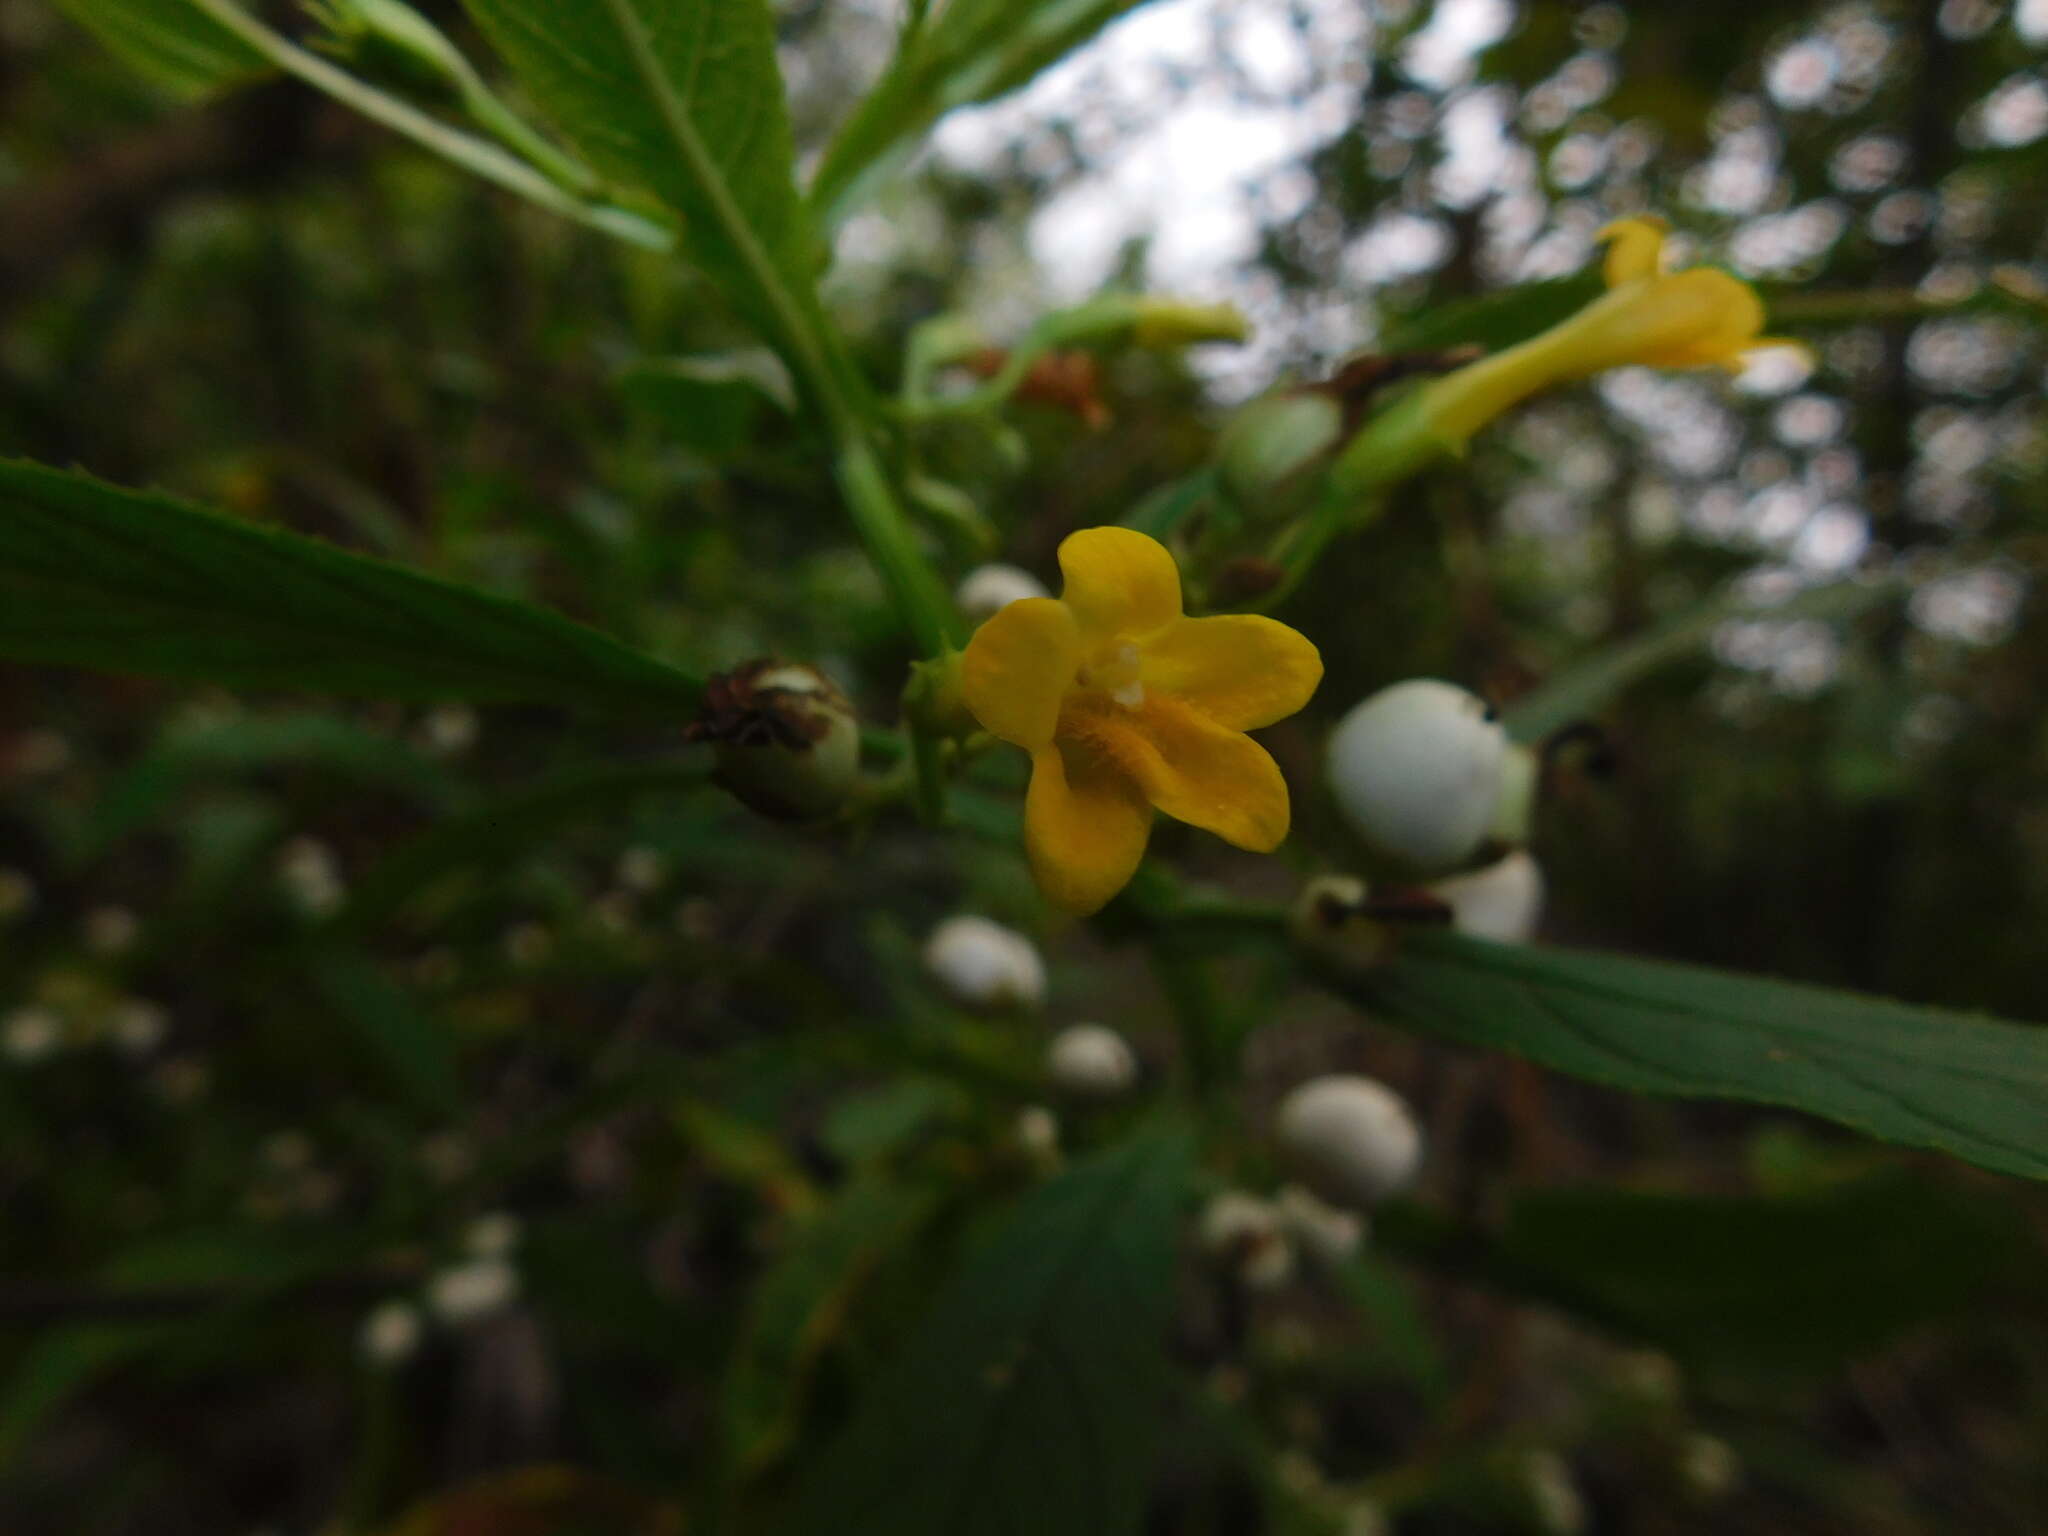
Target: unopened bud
x=1417 y=770
x=1501 y=902
x=391 y=41
x=1091 y=1061
x=1350 y=1139
x=984 y=965
x=1270 y=442
x=390 y=1334
x=787 y=740
x=1329 y=923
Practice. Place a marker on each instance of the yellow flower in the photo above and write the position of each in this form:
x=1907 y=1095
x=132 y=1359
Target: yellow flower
x=1126 y=705
x=1700 y=317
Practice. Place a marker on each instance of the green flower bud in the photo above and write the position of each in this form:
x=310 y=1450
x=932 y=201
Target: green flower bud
x=1267 y=446
x=787 y=740
x=389 y=40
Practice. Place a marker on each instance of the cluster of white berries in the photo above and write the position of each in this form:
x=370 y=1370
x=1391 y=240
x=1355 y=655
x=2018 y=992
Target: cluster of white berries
x=483 y=1282
x=33 y=1032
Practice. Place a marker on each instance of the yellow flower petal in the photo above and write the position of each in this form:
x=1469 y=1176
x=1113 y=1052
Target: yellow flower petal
x=1696 y=318
x=1189 y=767
x=1120 y=583
x=1635 y=249
x=1242 y=670
x=1018 y=666
x=1085 y=826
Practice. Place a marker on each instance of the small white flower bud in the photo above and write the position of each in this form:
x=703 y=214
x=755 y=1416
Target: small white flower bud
x=1244 y=1234
x=641 y=869
x=1038 y=1134
x=988 y=589
x=1350 y=1139
x=1091 y=1061
x=311 y=876
x=448 y=729
x=390 y=1334
x=17 y=895
x=1319 y=1229
x=1708 y=1466
x=138 y=1026
x=110 y=930
x=1417 y=770
x=30 y=1034
x=1501 y=902
x=787 y=740
x=984 y=965
x=1554 y=1500
x=471 y=1291
x=492 y=1235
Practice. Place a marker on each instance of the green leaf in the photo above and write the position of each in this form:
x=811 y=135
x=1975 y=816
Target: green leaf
x=1577 y=691
x=974 y=51
x=1029 y=1401
x=709 y=402
x=682 y=97
x=1971 y=1086
x=478 y=839
x=187 y=753
x=410 y=1045
x=171 y=41
x=95 y=576
x=1787 y=1282
x=797 y=1308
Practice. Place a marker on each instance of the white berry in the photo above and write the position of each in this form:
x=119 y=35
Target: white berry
x=988 y=589
x=1091 y=1061
x=1501 y=902
x=1417 y=769
x=985 y=965
x=1350 y=1139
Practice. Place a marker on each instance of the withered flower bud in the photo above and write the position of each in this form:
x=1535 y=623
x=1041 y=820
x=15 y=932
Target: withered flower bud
x=787 y=740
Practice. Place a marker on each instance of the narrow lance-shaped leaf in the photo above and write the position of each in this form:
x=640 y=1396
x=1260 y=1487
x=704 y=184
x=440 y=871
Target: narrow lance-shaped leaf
x=125 y=581
x=1030 y=1399
x=171 y=41
x=972 y=51
x=682 y=97
x=1972 y=1086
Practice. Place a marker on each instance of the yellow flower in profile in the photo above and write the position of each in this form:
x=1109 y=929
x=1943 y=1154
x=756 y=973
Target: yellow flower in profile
x=1698 y=318
x=1127 y=705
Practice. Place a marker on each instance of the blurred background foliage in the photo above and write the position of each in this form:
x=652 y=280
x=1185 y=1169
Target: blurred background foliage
x=397 y=1100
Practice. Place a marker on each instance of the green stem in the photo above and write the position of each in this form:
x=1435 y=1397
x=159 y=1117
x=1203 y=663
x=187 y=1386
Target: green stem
x=814 y=356
x=475 y=155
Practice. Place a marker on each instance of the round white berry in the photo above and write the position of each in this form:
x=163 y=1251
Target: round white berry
x=985 y=965
x=1091 y=1061
x=988 y=589
x=1350 y=1139
x=1501 y=902
x=1417 y=770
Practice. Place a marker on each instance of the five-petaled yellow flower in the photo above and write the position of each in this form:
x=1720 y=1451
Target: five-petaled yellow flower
x=1127 y=705
x=1700 y=317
